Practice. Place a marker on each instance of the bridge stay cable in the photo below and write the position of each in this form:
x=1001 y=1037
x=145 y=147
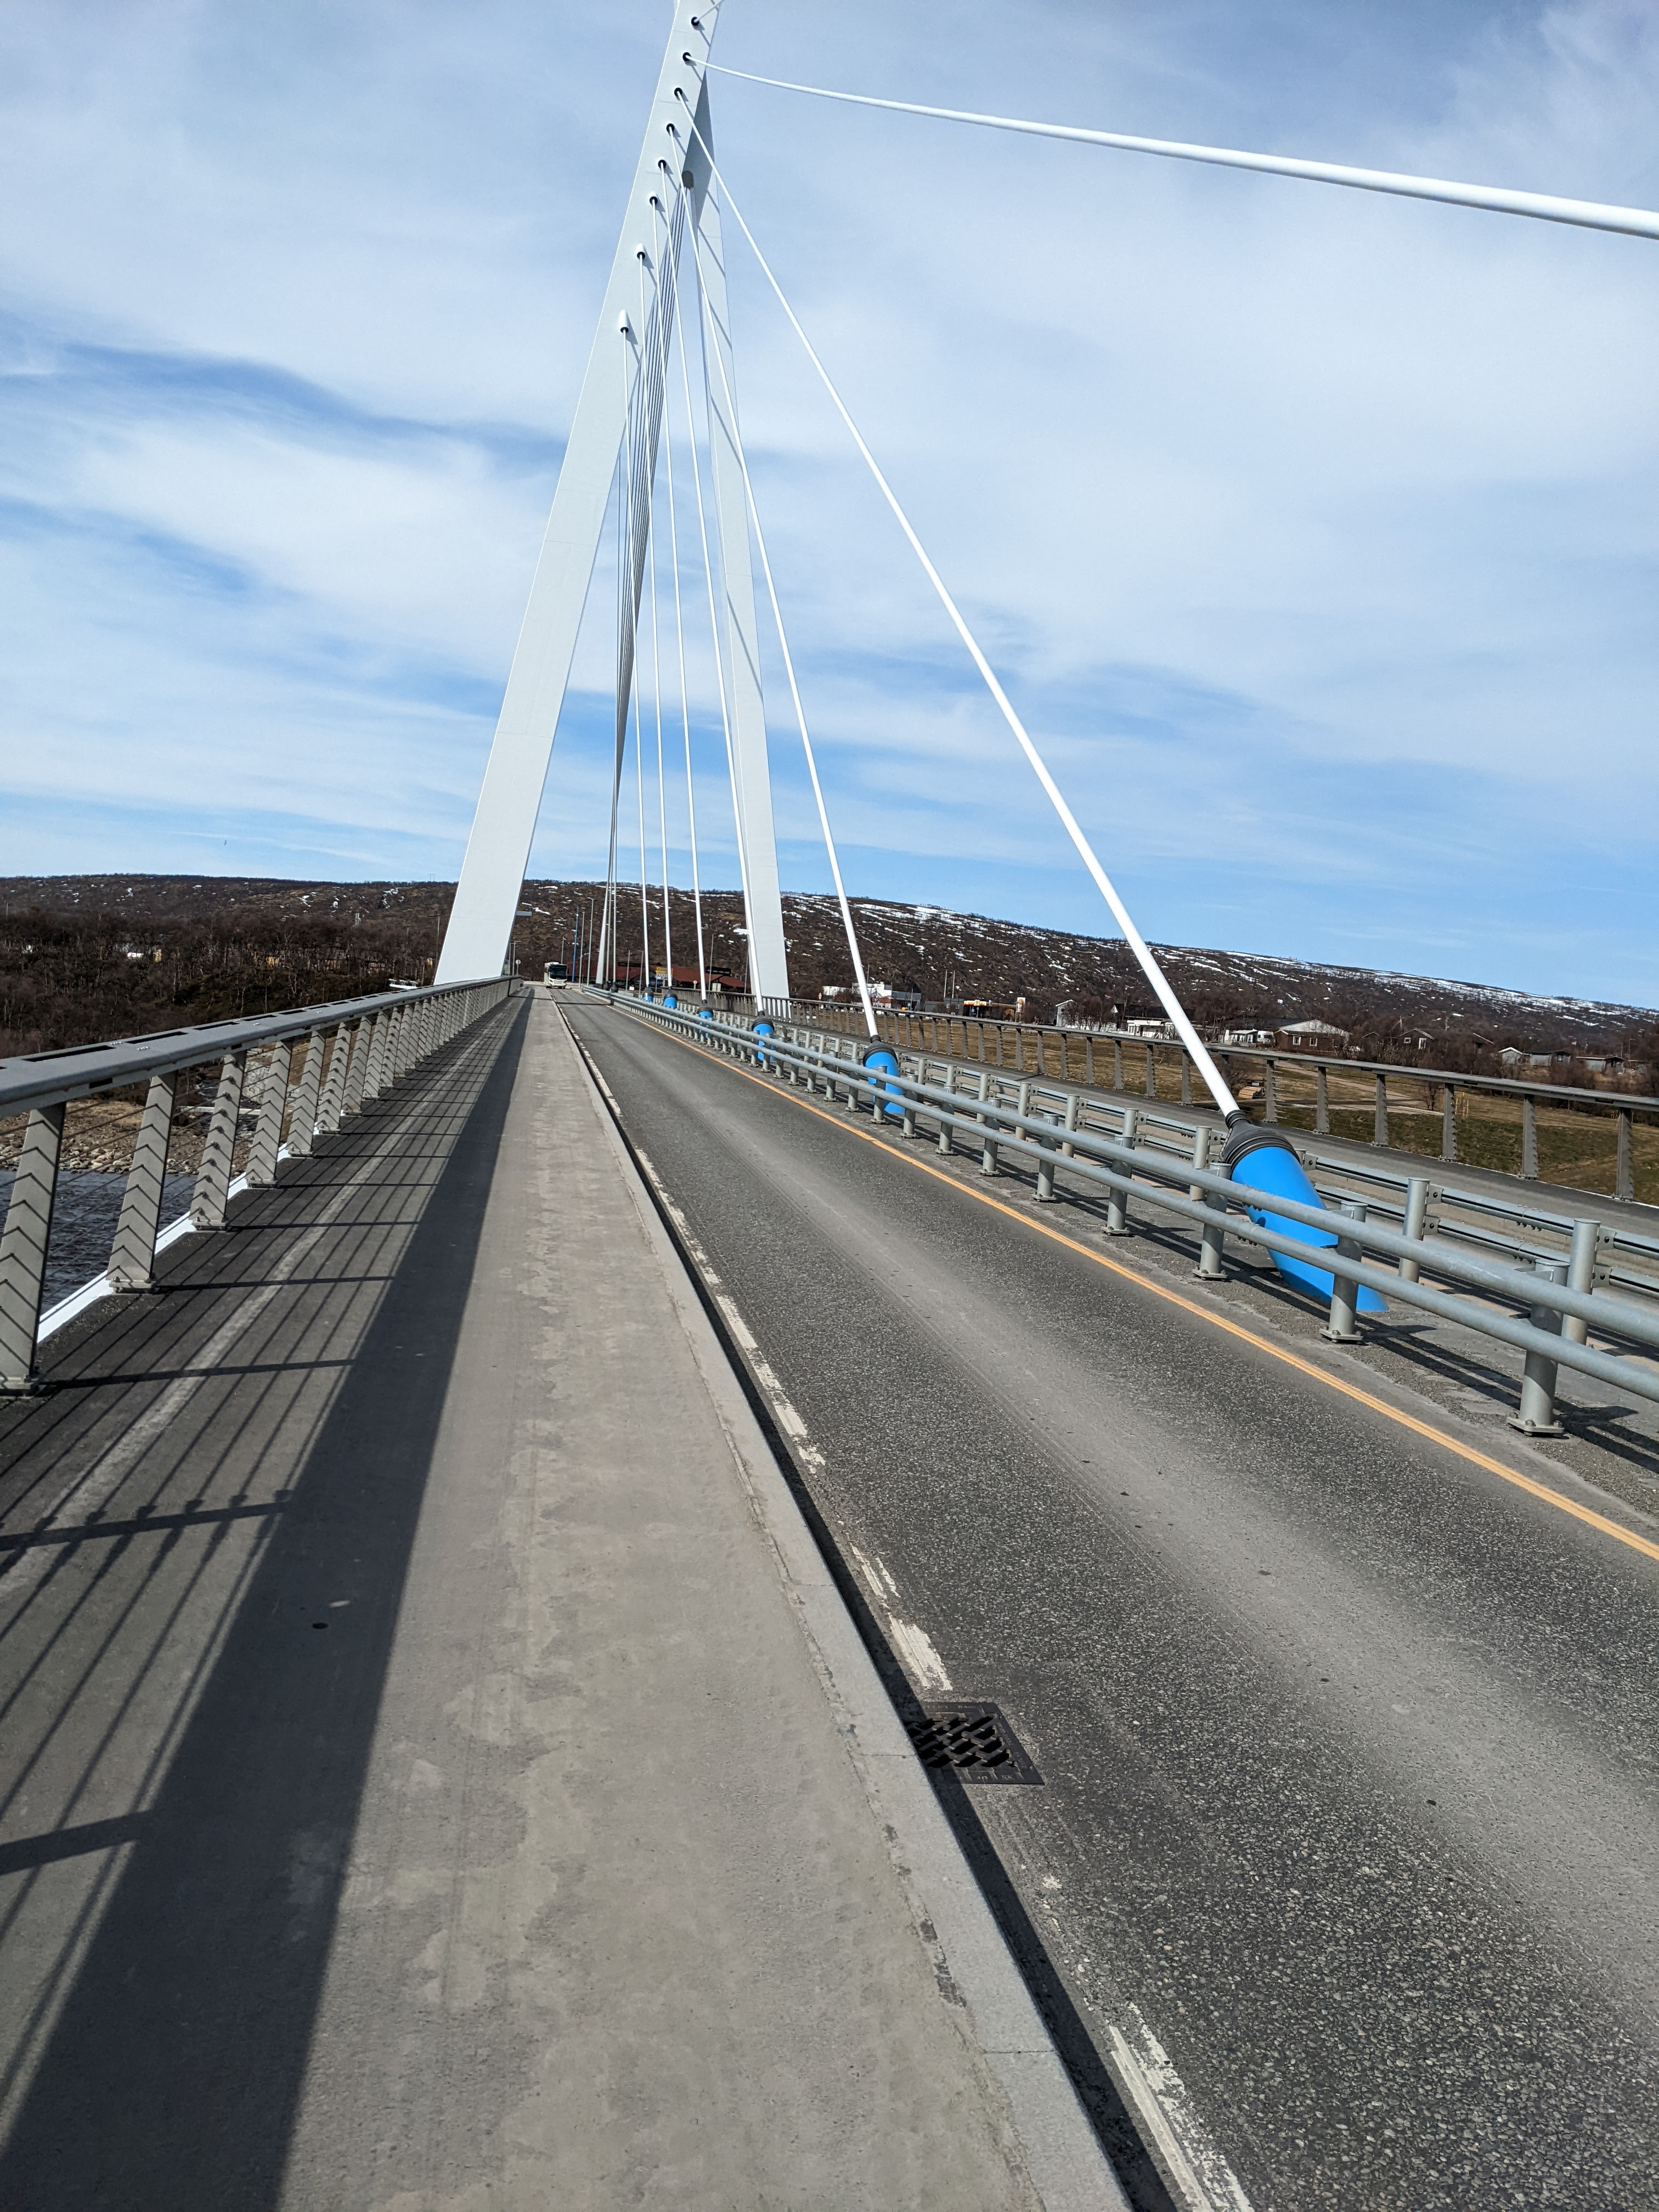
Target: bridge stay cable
x=1214 y=1081
x=801 y=712
x=1492 y=199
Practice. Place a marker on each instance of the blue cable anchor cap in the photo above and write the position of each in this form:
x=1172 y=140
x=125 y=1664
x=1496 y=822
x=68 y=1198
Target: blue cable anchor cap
x=883 y=1060
x=1264 y=1160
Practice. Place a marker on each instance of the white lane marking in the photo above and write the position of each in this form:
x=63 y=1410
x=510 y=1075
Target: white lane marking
x=914 y=1646
x=1197 y=2175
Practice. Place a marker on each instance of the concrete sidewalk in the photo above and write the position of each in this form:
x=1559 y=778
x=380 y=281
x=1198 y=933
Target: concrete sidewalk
x=617 y=1878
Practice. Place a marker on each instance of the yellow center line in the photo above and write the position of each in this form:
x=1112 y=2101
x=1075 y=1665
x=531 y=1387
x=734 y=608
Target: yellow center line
x=1539 y=1490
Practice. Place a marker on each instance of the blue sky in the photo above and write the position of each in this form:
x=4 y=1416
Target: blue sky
x=1315 y=534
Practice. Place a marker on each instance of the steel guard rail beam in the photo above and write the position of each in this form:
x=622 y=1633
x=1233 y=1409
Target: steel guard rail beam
x=1214 y=1211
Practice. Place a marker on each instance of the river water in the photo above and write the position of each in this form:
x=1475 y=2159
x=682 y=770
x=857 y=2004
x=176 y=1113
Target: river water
x=83 y=1224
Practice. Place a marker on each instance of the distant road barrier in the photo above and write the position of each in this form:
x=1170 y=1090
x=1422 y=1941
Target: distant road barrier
x=1556 y=1294
x=356 y=1049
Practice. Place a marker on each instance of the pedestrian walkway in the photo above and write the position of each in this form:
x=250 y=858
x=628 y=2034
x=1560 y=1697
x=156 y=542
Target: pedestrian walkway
x=437 y=1770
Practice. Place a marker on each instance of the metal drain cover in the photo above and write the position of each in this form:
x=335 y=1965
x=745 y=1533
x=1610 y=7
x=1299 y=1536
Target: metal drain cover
x=974 y=1741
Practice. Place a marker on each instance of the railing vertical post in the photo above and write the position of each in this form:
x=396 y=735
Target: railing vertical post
x=1380 y=1134
x=1045 y=1176
x=1152 y=1073
x=944 y=1145
x=267 y=1130
x=1186 y=1077
x=1088 y=1061
x=1448 y=1124
x=1581 y=1275
x=1416 y=1222
x=331 y=1103
x=302 y=1124
x=132 y=1255
x=1529 y=1139
x=375 y=1068
x=1211 y=1267
x=1117 y=1063
x=23 y=1245
x=1270 y=1091
x=988 y=1164
x=1535 y=1415
x=356 y=1071
x=207 y=1202
x=1344 y=1295
x=1625 y=1175
x=1117 y=1203
x=1322 y=1103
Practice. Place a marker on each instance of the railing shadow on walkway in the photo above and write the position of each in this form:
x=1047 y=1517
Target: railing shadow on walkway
x=172 y=2072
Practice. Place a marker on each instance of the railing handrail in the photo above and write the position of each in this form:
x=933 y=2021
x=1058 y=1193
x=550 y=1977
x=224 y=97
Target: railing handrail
x=1461 y=1079
x=50 y=1079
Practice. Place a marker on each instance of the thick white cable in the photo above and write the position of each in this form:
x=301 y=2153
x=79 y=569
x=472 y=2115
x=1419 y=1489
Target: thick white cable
x=1494 y=199
x=794 y=688
x=640 y=448
x=1215 y=1082
x=708 y=573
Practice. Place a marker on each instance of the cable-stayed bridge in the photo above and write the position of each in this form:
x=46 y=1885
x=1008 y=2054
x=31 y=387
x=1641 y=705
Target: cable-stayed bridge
x=656 y=1599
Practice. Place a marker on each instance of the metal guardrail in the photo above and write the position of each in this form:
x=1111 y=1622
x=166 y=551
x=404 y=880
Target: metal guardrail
x=356 y=1049
x=1139 y=1163
x=901 y=1029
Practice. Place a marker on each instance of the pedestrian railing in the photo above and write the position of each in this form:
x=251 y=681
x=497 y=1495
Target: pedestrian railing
x=1134 y=1157
x=355 y=1050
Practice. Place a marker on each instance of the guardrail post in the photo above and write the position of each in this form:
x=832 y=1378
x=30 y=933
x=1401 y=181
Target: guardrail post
x=1117 y=1202
x=302 y=1123
x=1380 y=1134
x=1624 y=1184
x=1270 y=1091
x=1344 y=1295
x=267 y=1130
x=1211 y=1266
x=1581 y=1275
x=23 y=1245
x=1529 y=1139
x=1448 y=1124
x=1045 y=1175
x=132 y=1255
x=987 y=1151
x=207 y=1202
x=946 y=1147
x=1321 y=1103
x=1535 y=1415
x=1417 y=1216
x=1152 y=1073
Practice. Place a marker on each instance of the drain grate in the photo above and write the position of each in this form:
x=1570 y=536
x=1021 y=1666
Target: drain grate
x=975 y=1741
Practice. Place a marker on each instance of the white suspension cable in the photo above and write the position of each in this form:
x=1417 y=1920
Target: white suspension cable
x=665 y=306
x=794 y=690
x=642 y=451
x=1213 y=1079
x=1494 y=199
x=708 y=573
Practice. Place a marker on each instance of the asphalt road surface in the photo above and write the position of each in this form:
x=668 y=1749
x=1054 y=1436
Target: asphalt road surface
x=1346 y=1840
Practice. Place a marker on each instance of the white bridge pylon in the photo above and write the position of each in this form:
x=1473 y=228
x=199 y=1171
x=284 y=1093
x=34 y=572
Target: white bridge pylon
x=670 y=191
